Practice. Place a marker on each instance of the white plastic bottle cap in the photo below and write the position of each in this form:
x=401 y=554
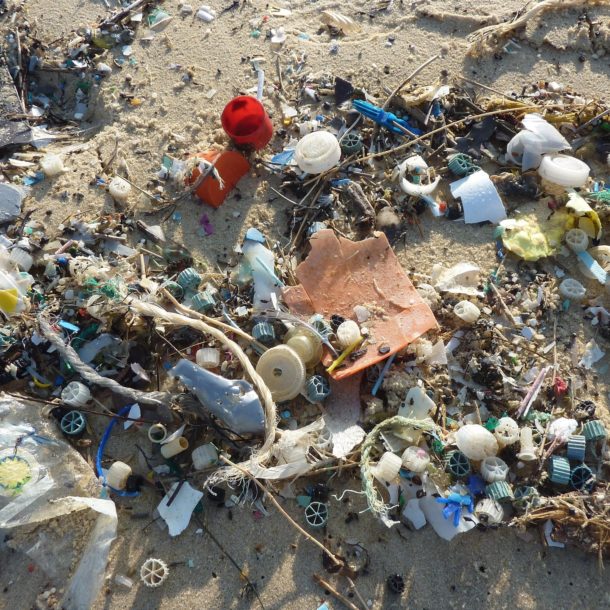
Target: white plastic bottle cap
x=348 y=333
x=507 y=431
x=415 y=459
x=208 y=357
x=317 y=152
x=572 y=289
x=76 y=394
x=282 y=371
x=577 y=240
x=494 y=469
x=489 y=511
x=387 y=467
x=467 y=311
x=119 y=189
x=205 y=456
x=22 y=259
x=118 y=474
x=51 y=165
x=564 y=170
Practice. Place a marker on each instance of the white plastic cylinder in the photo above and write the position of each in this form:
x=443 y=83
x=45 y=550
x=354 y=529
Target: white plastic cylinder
x=564 y=170
x=118 y=474
x=415 y=459
x=51 y=165
x=489 y=511
x=204 y=456
x=494 y=469
x=577 y=240
x=157 y=433
x=119 y=189
x=76 y=394
x=572 y=289
x=506 y=432
x=527 y=449
x=387 y=467
x=317 y=152
x=348 y=333
x=208 y=357
x=467 y=311
x=22 y=259
x=174 y=447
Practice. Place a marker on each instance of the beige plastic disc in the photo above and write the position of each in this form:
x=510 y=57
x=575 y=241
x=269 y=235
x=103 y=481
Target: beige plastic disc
x=282 y=371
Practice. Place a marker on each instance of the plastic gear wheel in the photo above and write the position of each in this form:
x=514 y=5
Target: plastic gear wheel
x=154 y=572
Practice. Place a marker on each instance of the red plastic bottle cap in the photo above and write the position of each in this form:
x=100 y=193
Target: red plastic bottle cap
x=231 y=166
x=246 y=122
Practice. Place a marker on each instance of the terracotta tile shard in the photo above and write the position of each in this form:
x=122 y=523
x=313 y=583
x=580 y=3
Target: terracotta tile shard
x=339 y=274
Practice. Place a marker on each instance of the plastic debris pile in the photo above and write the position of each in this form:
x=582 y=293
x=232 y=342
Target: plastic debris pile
x=457 y=394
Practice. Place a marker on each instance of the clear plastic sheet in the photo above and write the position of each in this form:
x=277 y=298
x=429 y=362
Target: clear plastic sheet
x=52 y=480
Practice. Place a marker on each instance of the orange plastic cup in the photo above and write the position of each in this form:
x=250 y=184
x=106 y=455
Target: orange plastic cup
x=231 y=166
x=246 y=122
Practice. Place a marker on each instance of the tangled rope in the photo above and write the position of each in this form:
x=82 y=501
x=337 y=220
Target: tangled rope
x=376 y=504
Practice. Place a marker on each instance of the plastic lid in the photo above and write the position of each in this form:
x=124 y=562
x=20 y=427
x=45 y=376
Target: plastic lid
x=564 y=170
x=282 y=371
x=317 y=152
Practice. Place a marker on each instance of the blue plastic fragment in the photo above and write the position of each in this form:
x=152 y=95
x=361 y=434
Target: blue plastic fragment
x=386 y=119
x=69 y=326
x=255 y=235
x=35 y=179
x=340 y=182
x=283 y=158
x=593 y=266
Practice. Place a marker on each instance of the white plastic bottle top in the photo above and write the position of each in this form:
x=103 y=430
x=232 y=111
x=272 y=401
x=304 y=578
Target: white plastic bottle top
x=564 y=170
x=208 y=357
x=119 y=189
x=467 y=311
x=572 y=289
x=204 y=456
x=387 y=467
x=118 y=474
x=494 y=469
x=317 y=152
x=76 y=394
x=51 y=165
x=415 y=459
x=174 y=447
x=507 y=431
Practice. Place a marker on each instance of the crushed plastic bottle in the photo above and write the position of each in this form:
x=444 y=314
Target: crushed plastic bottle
x=234 y=401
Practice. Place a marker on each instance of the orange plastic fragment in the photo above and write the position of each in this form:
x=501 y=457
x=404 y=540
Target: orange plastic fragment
x=339 y=274
x=231 y=166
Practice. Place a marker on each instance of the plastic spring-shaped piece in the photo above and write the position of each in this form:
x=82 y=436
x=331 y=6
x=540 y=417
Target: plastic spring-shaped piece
x=494 y=469
x=189 y=279
x=526 y=497
x=499 y=491
x=317 y=388
x=263 y=332
x=581 y=476
x=576 y=447
x=202 y=301
x=316 y=514
x=594 y=430
x=154 y=572
x=73 y=423
x=351 y=143
x=559 y=470
x=458 y=464
x=462 y=165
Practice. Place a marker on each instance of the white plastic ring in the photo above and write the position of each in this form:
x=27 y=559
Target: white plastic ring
x=577 y=240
